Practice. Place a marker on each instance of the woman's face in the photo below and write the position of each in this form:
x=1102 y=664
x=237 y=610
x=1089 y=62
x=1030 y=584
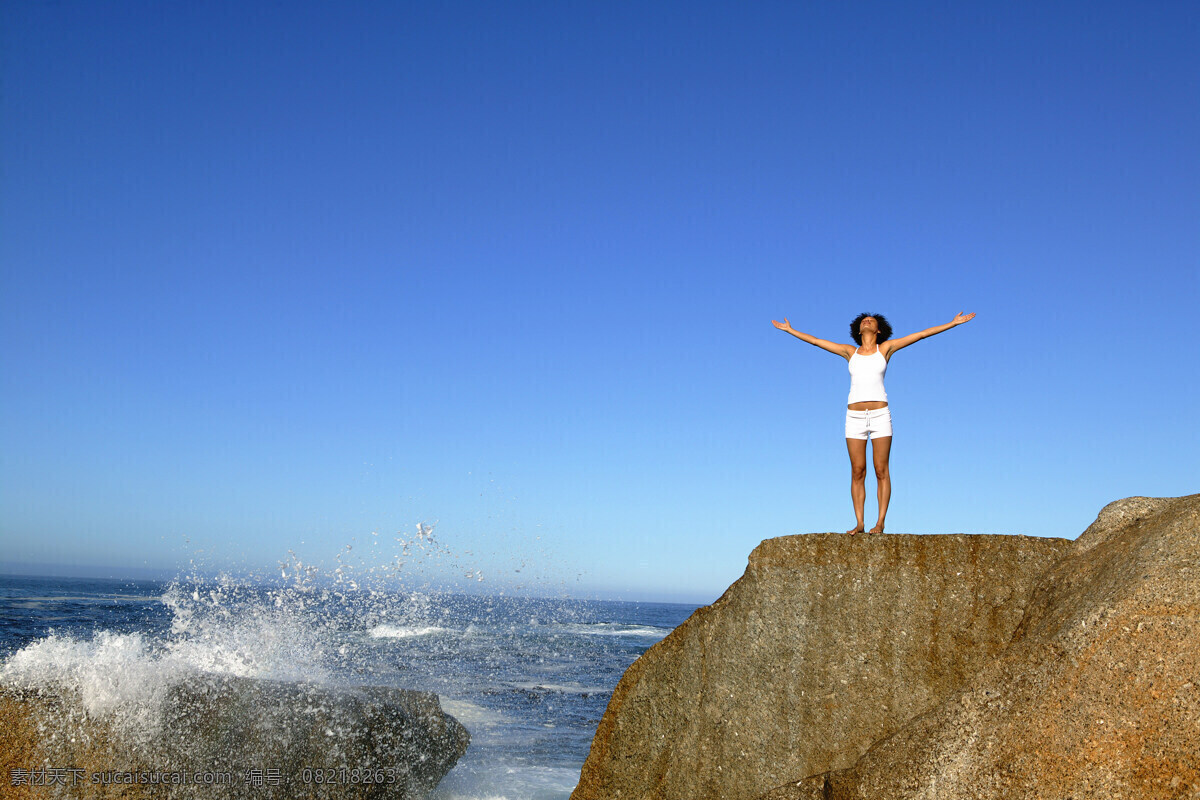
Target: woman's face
x=868 y=324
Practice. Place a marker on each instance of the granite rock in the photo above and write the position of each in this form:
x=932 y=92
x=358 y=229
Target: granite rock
x=1097 y=696
x=827 y=644
x=272 y=739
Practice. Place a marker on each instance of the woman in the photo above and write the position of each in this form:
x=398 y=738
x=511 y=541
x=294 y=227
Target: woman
x=867 y=412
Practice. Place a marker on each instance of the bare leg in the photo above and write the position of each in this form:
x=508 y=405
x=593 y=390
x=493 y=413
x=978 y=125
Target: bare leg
x=880 y=450
x=858 y=479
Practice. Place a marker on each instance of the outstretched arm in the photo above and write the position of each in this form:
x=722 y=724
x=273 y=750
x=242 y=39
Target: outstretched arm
x=843 y=350
x=959 y=319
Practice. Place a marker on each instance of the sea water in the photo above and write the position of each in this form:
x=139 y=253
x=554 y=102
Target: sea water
x=528 y=677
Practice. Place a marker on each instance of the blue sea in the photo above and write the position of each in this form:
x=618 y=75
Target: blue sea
x=530 y=678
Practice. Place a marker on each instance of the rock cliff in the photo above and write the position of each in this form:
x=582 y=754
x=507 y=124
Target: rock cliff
x=1097 y=696
x=827 y=644
x=243 y=738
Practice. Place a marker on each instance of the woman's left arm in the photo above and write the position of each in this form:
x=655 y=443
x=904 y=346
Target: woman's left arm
x=959 y=319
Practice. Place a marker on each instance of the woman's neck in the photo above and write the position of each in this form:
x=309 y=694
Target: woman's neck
x=868 y=341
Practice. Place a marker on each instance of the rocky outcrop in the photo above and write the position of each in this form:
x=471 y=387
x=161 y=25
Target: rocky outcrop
x=229 y=737
x=827 y=644
x=1098 y=695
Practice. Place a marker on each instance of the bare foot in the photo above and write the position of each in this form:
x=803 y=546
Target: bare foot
x=859 y=529
x=878 y=528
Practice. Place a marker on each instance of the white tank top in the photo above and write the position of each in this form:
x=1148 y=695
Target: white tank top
x=866 y=377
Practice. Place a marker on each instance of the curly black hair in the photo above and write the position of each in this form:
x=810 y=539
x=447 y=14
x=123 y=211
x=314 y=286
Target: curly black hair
x=885 y=330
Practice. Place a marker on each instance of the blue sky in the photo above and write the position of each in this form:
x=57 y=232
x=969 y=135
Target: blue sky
x=280 y=276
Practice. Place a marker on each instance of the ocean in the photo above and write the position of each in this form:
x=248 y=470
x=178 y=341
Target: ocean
x=528 y=677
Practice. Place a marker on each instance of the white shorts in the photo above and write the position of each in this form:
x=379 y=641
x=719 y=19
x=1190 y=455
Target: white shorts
x=875 y=423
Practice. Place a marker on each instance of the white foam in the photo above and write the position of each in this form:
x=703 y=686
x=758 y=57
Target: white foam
x=617 y=629
x=406 y=631
x=470 y=715
x=509 y=780
x=563 y=688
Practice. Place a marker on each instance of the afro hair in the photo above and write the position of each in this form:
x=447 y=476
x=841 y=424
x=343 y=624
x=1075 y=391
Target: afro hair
x=885 y=330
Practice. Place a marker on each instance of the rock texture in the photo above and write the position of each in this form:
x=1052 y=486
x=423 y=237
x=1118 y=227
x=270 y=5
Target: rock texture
x=275 y=740
x=825 y=645
x=1098 y=696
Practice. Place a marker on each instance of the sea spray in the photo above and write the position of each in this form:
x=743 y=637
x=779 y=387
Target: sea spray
x=308 y=643
x=296 y=624
x=263 y=678
x=124 y=678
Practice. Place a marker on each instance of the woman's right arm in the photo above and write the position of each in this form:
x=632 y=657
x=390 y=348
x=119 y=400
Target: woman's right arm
x=843 y=350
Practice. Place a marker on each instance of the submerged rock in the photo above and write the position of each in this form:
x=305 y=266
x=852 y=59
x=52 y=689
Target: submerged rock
x=228 y=737
x=1098 y=696
x=825 y=645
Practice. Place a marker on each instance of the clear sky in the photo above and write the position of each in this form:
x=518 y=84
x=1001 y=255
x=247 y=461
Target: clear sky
x=279 y=276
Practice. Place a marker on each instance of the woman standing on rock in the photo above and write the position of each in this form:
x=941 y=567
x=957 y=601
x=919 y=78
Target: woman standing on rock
x=867 y=412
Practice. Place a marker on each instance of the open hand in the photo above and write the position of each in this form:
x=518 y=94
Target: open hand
x=960 y=318
x=785 y=325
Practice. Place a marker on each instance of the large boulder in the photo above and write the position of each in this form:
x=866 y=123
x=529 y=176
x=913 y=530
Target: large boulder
x=825 y=645
x=1098 y=696
x=228 y=737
